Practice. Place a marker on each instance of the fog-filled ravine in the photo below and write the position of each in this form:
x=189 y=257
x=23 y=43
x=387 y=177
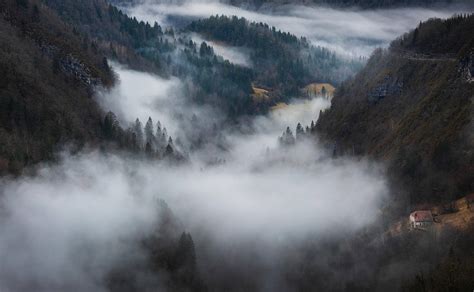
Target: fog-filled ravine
x=68 y=225
x=205 y=170
x=351 y=32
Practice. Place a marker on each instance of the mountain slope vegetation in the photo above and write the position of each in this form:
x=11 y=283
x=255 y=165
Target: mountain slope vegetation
x=165 y=52
x=216 y=82
x=116 y=35
x=280 y=59
x=50 y=70
x=412 y=107
x=365 y=4
x=47 y=73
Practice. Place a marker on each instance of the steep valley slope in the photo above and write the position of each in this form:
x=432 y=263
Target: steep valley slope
x=47 y=72
x=411 y=106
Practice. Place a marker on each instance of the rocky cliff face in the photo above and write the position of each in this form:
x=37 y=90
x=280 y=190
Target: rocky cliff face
x=411 y=106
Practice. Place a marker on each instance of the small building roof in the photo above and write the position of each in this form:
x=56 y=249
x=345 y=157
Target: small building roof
x=422 y=216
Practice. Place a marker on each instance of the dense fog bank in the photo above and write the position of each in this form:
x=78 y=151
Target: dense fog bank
x=66 y=227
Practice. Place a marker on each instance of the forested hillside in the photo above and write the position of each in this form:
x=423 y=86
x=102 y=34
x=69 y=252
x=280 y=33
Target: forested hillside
x=47 y=73
x=164 y=52
x=116 y=35
x=366 y=4
x=327 y=207
x=55 y=53
x=281 y=60
x=411 y=106
x=216 y=82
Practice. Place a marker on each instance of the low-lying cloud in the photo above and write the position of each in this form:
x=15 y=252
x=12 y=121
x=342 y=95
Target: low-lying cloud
x=236 y=55
x=349 y=31
x=141 y=95
x=66 y=227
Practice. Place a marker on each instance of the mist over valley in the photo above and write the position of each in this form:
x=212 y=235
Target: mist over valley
x=212 y=146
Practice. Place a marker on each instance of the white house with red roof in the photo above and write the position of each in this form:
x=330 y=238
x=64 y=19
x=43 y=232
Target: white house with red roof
x=421 y=219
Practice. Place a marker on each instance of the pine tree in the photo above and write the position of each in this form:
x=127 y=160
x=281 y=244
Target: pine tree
x=186 y=258
x=169 y=148
x=415 y=36
x=299 y=132
x=287 y=138
x=324 y=92
x=165 y=134
x=138 y=130
x=158 y=128
x=205 y=50
x=111 y=126
x=105 y=64
x=149 y=132
x=148 y=148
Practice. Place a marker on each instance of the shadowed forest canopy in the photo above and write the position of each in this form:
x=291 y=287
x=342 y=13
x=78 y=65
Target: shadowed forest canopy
x=364 y=4
x=272 y=183
x=47 y=72
x=354 y=3
x=50 y=70
x=284 y=62
x=116 y=34
x=412 y=106
x=281 y=60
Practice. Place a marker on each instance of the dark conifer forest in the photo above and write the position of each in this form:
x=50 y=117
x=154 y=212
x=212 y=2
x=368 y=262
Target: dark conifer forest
x=323 y=145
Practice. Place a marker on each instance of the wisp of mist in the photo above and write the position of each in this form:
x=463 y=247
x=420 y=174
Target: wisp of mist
x=349 y=32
